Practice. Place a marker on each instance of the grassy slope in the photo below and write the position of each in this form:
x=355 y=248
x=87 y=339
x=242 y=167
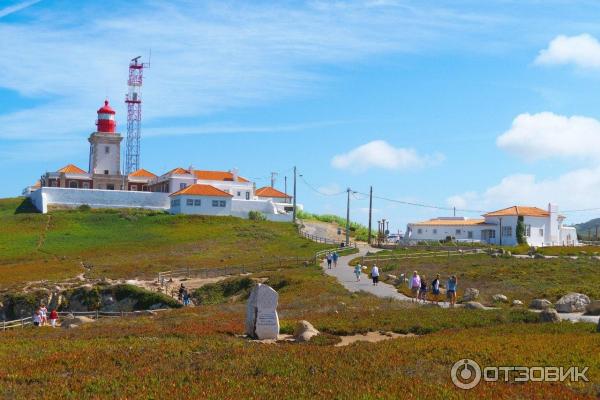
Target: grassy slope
x=194 y=353
x=522 y=279
x=132 y=243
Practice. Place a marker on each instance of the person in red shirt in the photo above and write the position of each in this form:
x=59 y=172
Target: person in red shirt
x=53 y=318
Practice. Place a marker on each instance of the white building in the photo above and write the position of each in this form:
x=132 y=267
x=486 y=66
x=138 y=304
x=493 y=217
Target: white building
x=200 y=199
x=542 y=228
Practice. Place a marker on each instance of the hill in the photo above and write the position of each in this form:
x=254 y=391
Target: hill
x=131 y=243
x=587 y=230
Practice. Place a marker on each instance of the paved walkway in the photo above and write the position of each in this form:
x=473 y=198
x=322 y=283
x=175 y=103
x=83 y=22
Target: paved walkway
x=344 y=273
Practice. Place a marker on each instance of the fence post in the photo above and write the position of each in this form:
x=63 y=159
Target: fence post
x=97 y=315
x=121 y=313
x=23 y=323
x=4 y=325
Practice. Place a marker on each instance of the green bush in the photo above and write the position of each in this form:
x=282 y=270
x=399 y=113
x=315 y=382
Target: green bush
x=84 y=207
x=256 y=216
x=144 y=298
x=221 y=292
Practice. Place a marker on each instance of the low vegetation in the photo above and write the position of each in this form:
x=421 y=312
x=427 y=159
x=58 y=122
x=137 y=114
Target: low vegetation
x=357 y=231
x=132 y=243
x=195 y=352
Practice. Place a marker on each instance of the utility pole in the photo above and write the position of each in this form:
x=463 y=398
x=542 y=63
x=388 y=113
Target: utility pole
x=348 y=219
x=285 y=184
x=294 y=215
x=596 y=232
x=370 y=212
x=454 y=208
x=273 y=175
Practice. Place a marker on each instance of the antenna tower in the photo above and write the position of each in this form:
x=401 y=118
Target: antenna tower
x=134 y=114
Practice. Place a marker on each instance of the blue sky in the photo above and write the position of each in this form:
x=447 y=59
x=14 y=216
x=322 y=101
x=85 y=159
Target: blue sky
x=478 y=105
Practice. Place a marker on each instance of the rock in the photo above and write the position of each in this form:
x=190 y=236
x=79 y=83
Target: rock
x=495 y=255
x=262 y=321
x=470 y=294
x=593 y=308
x=517 y=303
x=127 y=304
x=304 y=331
x=473 y=305
x=508 y=254
x=157 y=306
x=572 y=302
x=540 y=304
x=500 y=298
x=392 y=278
x=75 y=322
x=549 y=315
x=540 y=256
x=107 y=300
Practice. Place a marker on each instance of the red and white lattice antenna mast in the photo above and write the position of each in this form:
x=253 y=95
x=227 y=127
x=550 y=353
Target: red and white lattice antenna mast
x=134 y=114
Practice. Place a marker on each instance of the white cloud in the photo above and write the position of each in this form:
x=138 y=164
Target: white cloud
x=380 y=154
x=578 y=189
x=582 y=50
x=17 y=7
x=330 y=189
x=544 y=135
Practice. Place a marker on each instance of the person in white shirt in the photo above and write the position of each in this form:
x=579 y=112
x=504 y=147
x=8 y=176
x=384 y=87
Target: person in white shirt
x=37 y=318
x=375 y=274
x=43 y=315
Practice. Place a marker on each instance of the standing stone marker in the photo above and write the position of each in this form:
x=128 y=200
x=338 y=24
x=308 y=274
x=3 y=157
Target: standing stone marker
x=262 y=321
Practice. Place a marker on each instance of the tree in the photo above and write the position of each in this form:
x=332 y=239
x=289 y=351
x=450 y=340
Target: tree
x=520 y=230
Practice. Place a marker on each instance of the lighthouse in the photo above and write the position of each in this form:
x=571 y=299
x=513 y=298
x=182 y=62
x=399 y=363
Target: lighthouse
x=105 y=151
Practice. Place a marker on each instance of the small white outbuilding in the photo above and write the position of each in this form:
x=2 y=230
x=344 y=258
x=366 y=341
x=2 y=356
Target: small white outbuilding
x=200 y=199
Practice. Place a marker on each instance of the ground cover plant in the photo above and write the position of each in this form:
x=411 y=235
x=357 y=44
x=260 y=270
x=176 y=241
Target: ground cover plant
x=132 y=243
x=523 y=279
x=195 y=352
x=357 y=231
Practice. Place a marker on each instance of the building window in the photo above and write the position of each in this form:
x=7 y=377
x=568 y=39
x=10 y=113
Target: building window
x=106 y=149
x=105 y=172
x=239 y=194
x=470 y=234
x=542 y=232
x=144 y=188
x=189 y=202
x=435 y=231
x=197 y=203
x=133 y=187
x=110 y=187
x=528 y=230
x=218 y=203
x=182 y=186
x=85 y=185
x=247 y=195
x=457 y=232
x=419 y=231
x=54 y=183
x=73 y=184
x=507 y=231
x=175 y=202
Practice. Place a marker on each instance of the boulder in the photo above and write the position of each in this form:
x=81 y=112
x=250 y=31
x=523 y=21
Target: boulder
x=473 y=305
x=517 y=303
x=75 y=322
x=304 y=331
x=392 y=278
x=593 y=308
x=540 y=256
x=549 y=315
x=572 y=302
x=500 y=298
x=540 y=304
x=470 y=294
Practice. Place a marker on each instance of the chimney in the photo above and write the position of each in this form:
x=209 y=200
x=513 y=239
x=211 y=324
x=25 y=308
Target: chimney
x=234 y=173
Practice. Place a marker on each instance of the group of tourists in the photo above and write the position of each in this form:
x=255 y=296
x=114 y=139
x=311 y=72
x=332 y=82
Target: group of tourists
x=419 y=288
x=374 y=274
x=41 y=317
x=332 y=258
x=184 y=295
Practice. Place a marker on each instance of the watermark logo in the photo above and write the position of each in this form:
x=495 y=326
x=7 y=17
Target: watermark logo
x=466 y=374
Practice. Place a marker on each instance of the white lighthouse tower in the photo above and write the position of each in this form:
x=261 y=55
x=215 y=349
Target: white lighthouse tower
x=105 y=151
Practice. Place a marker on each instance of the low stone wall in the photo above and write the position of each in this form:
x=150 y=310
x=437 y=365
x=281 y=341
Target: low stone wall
x=67 y=197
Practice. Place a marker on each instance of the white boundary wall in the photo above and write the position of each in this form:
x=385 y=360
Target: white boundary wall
x=95 y=198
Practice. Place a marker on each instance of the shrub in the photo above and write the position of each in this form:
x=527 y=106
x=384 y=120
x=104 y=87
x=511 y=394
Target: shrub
x=223 y=291
x=84 y=207
x=144 y=298
x=256 y=216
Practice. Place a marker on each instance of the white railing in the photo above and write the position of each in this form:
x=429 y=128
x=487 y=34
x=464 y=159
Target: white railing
x=394 y=257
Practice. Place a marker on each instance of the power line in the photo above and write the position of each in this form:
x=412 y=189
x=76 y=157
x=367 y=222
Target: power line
x=318 y=191
x=422 y=205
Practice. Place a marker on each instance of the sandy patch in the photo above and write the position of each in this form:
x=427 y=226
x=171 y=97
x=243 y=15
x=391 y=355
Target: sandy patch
x=371 y=337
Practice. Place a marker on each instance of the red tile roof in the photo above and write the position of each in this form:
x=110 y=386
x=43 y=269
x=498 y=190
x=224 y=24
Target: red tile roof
x=520 y=211
x=71 y=169
x=451 y=222
x=178 y=171
x=142 y=173
x=201 y=190
x=268 y=191
x=217 y=176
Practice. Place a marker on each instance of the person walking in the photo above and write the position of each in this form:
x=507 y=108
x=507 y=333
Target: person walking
x=53 y=317
x=375 y=274
x=415 y=286
x=451 y=290
x=37 y=317
x=180 y=294
x=357 y=271
x=329 y=259
x=435 y=288
x=186 y=297
x=423 y=289
x=43 y=315
x=335 y=257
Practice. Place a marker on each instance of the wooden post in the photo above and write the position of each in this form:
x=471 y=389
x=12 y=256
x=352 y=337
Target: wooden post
x=97 y=315
x=23 y=323
x=121 y=313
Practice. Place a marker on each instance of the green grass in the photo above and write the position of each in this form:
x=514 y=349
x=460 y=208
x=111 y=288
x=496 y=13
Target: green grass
x=132 y=243
x=523 y=279
x=357 y=231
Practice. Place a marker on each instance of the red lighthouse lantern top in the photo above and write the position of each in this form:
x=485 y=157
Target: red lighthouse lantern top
x=106 y=119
